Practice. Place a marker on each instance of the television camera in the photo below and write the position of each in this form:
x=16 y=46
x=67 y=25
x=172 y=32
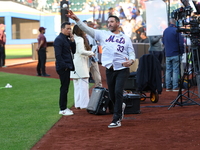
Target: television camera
x=188 y=20
x=188 y=23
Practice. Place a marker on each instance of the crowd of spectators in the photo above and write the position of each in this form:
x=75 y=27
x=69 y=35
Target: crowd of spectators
x=90 y=5
x=43 y=5
x=132 y=19
x=75 y=5
x=131 y=12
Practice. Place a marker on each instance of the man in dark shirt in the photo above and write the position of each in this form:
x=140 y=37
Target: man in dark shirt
x=42 y=45
x=2 y=45
x=64 y=45
x=144 y=38
x=138 y=29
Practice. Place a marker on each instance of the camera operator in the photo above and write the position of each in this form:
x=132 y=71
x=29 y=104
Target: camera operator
x=174 y=48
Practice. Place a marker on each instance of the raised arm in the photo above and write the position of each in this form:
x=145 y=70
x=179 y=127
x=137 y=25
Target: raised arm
x=81 y=25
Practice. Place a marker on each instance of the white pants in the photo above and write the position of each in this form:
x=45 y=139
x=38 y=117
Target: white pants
x=81 y=92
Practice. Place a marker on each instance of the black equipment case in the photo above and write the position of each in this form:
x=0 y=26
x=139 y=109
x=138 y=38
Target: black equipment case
x=130 y=83
x=99 y=101
x=132 y=102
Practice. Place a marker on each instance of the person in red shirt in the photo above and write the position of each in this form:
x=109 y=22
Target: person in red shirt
x=41 y=50
x=2 y=45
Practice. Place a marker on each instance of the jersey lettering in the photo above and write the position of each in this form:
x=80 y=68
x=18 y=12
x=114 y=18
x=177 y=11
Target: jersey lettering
x=120 y=48
x=113 y=39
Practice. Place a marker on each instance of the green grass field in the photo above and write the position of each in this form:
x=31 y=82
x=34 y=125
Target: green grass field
x=18 y=53
x=28 y=109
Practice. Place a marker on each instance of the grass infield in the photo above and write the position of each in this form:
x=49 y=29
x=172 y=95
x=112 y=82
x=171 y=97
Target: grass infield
x=18 y=53
x=28 y=109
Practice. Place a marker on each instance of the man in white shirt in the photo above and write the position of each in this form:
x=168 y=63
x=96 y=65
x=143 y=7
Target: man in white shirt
x=118 y=55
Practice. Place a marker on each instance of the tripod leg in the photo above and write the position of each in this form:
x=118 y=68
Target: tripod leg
x=193 y=101
x=189 y=99
x=175 y=102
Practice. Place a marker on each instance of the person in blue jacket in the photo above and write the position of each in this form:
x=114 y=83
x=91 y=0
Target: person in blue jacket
x=174 y=48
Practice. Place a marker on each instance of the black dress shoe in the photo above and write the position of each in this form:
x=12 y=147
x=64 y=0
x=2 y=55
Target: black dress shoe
x=45 y=75
x=38 y=74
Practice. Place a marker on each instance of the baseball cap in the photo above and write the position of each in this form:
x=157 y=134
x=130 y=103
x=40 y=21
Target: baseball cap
x=41 y=28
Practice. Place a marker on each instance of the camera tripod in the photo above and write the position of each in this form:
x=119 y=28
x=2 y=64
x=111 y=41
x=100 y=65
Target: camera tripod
x=185 y=77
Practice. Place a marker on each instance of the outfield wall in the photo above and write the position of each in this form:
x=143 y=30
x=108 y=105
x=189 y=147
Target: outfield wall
x=22 y=23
